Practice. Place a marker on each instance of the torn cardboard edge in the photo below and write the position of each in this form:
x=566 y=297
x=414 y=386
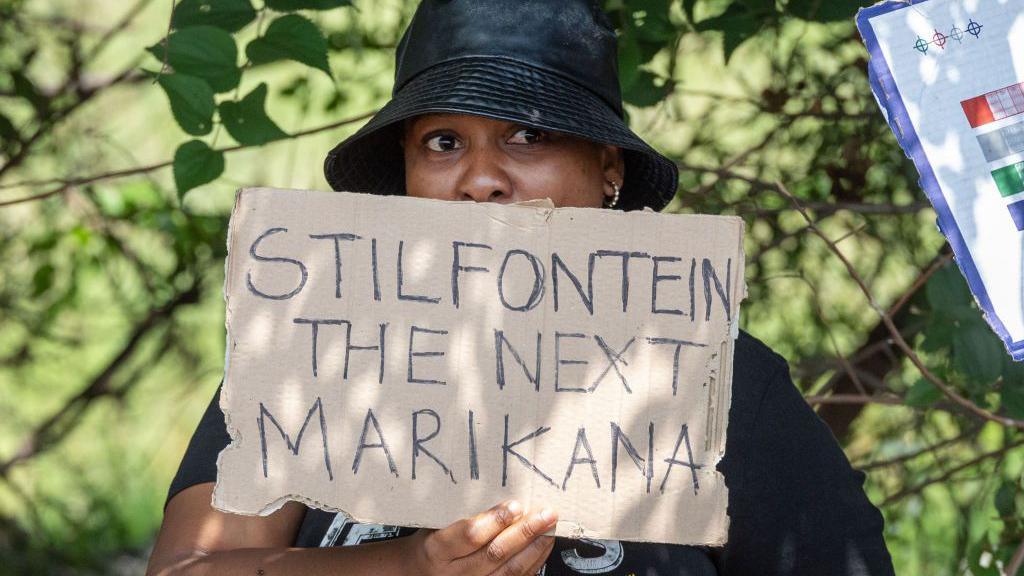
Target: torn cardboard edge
x=719 y=368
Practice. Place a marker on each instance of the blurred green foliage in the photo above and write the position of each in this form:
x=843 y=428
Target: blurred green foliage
x=115 y=115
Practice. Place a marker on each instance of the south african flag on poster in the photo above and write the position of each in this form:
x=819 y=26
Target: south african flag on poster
x=998 y=122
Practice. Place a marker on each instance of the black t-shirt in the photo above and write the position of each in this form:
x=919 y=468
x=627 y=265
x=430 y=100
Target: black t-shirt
x=795 y=504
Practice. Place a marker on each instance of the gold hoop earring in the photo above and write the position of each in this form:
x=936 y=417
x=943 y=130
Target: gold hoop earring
x=615 y=199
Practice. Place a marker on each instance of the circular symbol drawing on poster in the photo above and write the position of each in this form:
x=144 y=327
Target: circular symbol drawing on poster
x=974 y=29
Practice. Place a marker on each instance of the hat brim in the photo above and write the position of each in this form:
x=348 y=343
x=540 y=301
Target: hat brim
x=371 y=159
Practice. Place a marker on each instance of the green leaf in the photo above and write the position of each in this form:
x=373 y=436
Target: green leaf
x=977 y=353
x=975 y=553
x=247 y=120
x=24 y=87
x=7 y=129
x=688 y=6
x=1006 y=500
x=291 y=37
x=1012 y=398
x=938 y=334
x=81 y=234
x=191 y=102
x=826 y=10
x=651 y=21
x=42 y=280
x=203 y=51
x=629 y=59
x=230 y=15
x=195 y=164
x=947 y=290
x=644 y=92
x=759 y=6
x=292 y=5
x=737 y=24
x=9 y=137
x=923 y=393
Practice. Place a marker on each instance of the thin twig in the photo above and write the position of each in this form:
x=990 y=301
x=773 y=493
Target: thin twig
x=854 y=399
x=820 y=313
x=47 y=124
x=1013 y=568
x=872 y=208
x=949 y=473
x=50 y=430
x=167 y=40
x=121 y=25
x=64 y=185
x=928 y=273
x=893 y=330
x=917 y=453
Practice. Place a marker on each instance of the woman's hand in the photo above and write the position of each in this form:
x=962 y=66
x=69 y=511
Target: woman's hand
x=502 y=541
x=198 y=540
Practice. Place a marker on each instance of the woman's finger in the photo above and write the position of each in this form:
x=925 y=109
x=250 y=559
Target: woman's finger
x=513 y=540
x=529 y=560
x=466 y=536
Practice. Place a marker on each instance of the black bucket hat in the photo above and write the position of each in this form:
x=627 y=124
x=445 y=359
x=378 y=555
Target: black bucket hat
x=547 y=64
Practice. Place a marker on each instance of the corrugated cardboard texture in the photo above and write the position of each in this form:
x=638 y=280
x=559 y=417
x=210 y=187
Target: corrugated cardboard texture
x=412 y=362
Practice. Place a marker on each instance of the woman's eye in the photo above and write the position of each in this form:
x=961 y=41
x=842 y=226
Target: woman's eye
x=442 y=143
x=527 y=136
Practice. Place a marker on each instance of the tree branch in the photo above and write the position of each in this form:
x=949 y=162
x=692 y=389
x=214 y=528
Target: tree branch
x=917 y=453
x=50 y=430
x=949 y=473
x=893 y=330
x=65 y=185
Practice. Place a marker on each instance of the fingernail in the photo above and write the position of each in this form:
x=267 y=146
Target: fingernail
x=514 y=507
x=547 y=515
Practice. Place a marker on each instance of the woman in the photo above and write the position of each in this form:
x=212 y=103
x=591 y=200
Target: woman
x=506 y=101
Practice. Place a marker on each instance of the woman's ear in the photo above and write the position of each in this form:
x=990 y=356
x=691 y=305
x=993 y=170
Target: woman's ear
x=613 y=166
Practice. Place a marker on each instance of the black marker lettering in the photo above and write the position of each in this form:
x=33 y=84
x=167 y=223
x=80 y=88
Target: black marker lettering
x=376 y=273
x=337 y=255
x=418 y=442
x=458 y=267
x=315 y=329
x=499 y=340
x=619 y=437
x=723 y=293
x=304 y=274
x=693 y=273
x=581 y=440
x=655 y=278
x=684 y=435
x=371 y=419
x=317 y=407
x=401 y=281
x=474 y=468
x=625 y=269
x=588 y=297
x=507 y=449
x=614 y=359
x=536 y=295
x=675 y=355
x=413 y=354
x=349 y=347
x=559 y=362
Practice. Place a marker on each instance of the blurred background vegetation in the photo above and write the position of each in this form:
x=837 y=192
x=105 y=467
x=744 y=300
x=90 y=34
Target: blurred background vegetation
x=124 y=133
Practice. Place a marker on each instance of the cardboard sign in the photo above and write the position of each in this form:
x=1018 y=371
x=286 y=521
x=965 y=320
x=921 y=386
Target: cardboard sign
x=412 y=362
x=949 y=79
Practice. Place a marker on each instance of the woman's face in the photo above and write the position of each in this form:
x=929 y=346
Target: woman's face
x=463 y=157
